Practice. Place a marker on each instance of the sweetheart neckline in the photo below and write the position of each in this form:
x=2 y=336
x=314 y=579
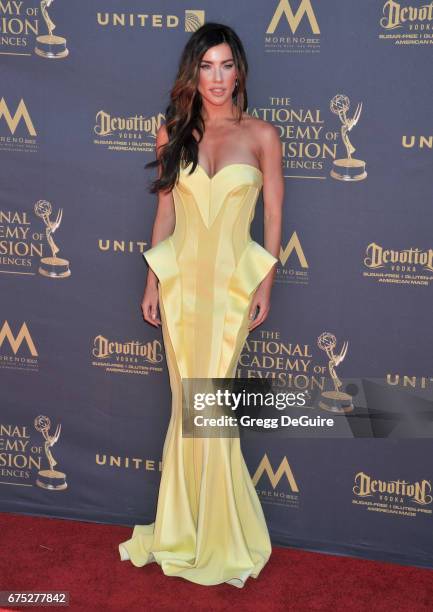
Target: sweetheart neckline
x=211 y=178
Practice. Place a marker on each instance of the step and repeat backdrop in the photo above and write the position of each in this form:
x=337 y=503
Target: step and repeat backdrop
x=85 y=389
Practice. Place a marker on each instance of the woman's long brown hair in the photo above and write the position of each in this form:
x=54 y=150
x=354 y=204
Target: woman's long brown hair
x=183 y=113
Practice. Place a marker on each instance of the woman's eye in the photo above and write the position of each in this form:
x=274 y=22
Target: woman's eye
x=229 y=66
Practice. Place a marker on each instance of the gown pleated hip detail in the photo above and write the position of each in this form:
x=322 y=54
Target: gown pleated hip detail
x=209 y=526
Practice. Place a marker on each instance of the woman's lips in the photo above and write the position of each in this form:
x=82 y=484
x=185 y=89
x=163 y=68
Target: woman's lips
x=217 y=91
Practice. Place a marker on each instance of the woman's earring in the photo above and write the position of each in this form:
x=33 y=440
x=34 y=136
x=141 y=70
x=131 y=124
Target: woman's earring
x=235 y=90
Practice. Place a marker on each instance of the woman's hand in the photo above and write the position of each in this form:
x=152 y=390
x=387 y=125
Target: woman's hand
x=149 y=304
x=262 y=299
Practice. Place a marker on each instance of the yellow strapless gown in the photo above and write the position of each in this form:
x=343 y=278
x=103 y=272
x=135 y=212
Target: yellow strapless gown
x=209 y=526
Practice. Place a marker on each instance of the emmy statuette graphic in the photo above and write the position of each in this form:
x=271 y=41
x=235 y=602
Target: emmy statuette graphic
x=49 y=479
x=349 y=168
x=49 y=45
x=53 y=267
x=334 y=401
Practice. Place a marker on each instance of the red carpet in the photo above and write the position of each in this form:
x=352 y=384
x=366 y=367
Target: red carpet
x=82 y=558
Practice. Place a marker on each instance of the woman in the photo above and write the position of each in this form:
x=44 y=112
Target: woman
x=212 y=284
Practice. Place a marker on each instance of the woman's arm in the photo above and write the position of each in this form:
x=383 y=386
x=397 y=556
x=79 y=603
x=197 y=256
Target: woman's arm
x=273 y=196
x=163 y=226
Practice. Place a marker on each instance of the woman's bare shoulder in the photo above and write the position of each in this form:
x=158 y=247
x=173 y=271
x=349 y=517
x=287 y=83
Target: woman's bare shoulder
x=260 y=127
x=161 y=135
x=264 y=133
